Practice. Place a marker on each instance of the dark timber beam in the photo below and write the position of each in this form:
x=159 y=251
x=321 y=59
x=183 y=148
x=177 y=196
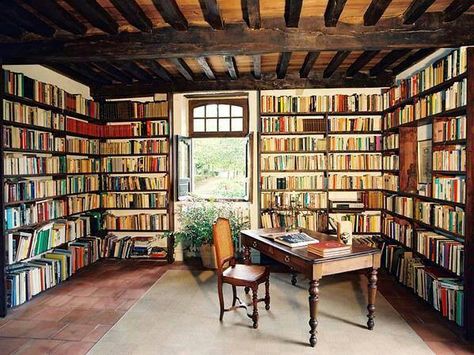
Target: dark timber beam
x=133 y=13
x=309 y=61
x=206 y=68
x=11 y=30
x=239 y=40
x=58 y=15
x=171 y=13
x=157 y=69
x=251 y=13
x=412 y=59
x=388 y=60
x=415 y=10
x=282 y=66
x=112 y=72
x=138 y=73
x=83 y=73
x=67 y=71
x=335 y=63
x=375 y=11
x=95 y=14
x=212 y=14
x=293 y=12
x=361 y=62
x=456 y=9
x=183 y=68
x=245 y=82
x=25 y=19
x=333 y=12
x=231 y=67
x=257 y=66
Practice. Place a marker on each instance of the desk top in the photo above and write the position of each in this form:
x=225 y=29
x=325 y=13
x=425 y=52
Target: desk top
x=302 y=252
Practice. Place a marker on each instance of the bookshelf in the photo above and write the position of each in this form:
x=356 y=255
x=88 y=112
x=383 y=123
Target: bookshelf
x=428 y=225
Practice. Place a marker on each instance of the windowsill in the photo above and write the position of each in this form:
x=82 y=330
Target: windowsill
x=190 y=199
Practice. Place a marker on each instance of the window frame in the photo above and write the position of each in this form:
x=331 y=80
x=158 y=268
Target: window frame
x=241 y=102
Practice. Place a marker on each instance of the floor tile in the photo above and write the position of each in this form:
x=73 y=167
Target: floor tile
x=74 y=332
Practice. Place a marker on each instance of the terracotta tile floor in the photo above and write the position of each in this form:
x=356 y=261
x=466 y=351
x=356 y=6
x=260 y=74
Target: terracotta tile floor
x=72 y=317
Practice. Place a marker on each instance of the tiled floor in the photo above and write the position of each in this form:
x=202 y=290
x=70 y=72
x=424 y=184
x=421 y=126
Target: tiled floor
x=73 y=316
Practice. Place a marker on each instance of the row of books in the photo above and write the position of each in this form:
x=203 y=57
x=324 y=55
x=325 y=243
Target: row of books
x=443 y=69
x=401 y=205
x=28 y=139
x=392 y=141
x=293 y=162
x=354 y=182
x=139 y=183
x=355 y=124
x=84 y=127
x=356 y=143
x=355 y=162
x=159 y=146
x=399 y=230
x=83 y=146
x=300 y=144
x=82 y=183
x=136 y=164
x=83 y=165
x=312 y=220
x=438 y=288
x=125 y=110
x=453 y=159
x=132 y=200
x=449 y=129
x=32 y=115
x=31 y=214
x=363 y=223
x=142 y=221
x=124 y=247
x=371 y=199
x=136 y=129
x=17 y=164
x=313 y=182
x=271 y=200
x=450 y=188
x=390 y=182
x=81 y=203
x=321 y=103
x=441 y=216
x=391 y=162
x=291 y=124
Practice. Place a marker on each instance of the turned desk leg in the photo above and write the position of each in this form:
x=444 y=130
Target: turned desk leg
x=313 y=310
x=294 y=280
x=372 y=293
x=246 y=255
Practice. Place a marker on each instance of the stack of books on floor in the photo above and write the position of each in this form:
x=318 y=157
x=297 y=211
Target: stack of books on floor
x=329 y=249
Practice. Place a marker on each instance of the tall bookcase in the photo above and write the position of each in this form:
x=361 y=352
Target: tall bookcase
x=413 y=213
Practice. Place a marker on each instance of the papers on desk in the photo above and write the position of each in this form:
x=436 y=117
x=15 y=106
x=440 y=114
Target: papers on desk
x=291 y=239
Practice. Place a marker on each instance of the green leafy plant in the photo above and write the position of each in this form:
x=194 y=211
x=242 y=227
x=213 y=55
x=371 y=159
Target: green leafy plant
x=197 y=216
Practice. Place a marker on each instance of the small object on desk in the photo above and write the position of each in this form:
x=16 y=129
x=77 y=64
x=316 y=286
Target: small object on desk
x=329 y=248
x=294 y=240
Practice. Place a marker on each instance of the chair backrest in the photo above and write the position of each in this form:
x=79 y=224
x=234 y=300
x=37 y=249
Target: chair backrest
x=222 y=235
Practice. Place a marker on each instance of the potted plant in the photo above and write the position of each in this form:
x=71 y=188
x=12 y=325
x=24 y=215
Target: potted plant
x=196 y=219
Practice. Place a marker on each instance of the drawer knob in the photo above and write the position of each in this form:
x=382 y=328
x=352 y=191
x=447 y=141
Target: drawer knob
x=254 y=244
x=287 y=259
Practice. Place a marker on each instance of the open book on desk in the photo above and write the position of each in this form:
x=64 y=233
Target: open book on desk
x=291 y=239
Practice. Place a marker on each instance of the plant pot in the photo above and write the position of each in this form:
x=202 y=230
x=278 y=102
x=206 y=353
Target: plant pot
x=208 y=256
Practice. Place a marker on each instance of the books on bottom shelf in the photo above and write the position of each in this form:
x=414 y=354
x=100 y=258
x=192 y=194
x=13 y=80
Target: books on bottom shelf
x=329 y=248
x=133 y=247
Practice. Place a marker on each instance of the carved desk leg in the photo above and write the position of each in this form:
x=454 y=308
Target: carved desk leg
x=247 y=262
x=313 y=310
x=372 y=293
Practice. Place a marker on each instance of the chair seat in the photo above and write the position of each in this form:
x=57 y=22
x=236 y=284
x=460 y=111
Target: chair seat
x=250 y=273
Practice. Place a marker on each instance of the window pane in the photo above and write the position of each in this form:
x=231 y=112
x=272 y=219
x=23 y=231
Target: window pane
x=211 y=125
x=211 y=110
x=237 y=124
x=224 y=110
x=198 y=111
x=224 y=125
x=199 y=125
x=237 y=111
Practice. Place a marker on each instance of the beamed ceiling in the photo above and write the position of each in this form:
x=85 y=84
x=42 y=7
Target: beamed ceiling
x=136 y=47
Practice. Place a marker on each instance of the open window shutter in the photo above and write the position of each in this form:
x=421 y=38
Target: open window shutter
x=249 y=167
x=184 y=166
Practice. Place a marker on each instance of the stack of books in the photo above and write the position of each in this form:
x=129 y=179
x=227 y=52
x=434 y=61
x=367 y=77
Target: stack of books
x=330 y=248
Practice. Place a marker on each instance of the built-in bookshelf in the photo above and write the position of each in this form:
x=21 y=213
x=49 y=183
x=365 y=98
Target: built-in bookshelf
x=54 y=179
x=427 y=216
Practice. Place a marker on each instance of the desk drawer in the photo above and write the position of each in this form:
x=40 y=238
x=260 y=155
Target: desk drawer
x=280 y=256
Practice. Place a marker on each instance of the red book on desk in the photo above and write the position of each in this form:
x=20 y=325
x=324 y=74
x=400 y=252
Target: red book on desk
x=329 y=248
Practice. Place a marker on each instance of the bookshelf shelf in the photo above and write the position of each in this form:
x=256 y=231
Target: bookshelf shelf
x=448 y=143
x=33 y=151
x=33 y=175
x=136 y=154
x=308 y=133
x=140 y=119
x=328 y=113
x=138 y=137
x=354 y=132
x=446 y=172
x=355 y=151
x=294 y=152
x=33 y=127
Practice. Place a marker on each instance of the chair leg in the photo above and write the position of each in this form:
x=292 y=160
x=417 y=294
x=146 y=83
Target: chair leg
x=267 y=293
x=234 y=295
x=221 y=299
x=255 y=310
x=247 y=290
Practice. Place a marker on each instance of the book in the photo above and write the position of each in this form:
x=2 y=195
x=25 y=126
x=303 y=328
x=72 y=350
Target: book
x=295 y=240
x=329 y=248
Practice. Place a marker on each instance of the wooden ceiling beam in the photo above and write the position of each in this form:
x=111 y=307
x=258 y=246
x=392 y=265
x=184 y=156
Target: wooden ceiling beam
x=412 y=59
x=171 y=13
x=95 y=15
x=388 y=60
x=112 y=72
x=335 y=63
x=24 y=19
x=416 y=9
x=206 y=68
x=282 y=66
x=456 y=9
x=58 y=15
x=361 y=62
x=309 y=61
x=293 y=12
x=333 y=12
x=134 y=14
x=157 y=69
x=251 y=13
x=183 y=68
x=244 y=82
x=239 y=40
x=63 y=69
x=137 y=72
x=231 y=67
x=11 y=30
x=375 y=11
x=257 y=66
x=84 y=73
x=212 y=14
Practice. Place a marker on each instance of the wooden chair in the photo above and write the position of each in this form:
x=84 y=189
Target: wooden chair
x=237 y=275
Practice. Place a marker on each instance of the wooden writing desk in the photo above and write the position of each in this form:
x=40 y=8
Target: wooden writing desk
x=315 y=267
